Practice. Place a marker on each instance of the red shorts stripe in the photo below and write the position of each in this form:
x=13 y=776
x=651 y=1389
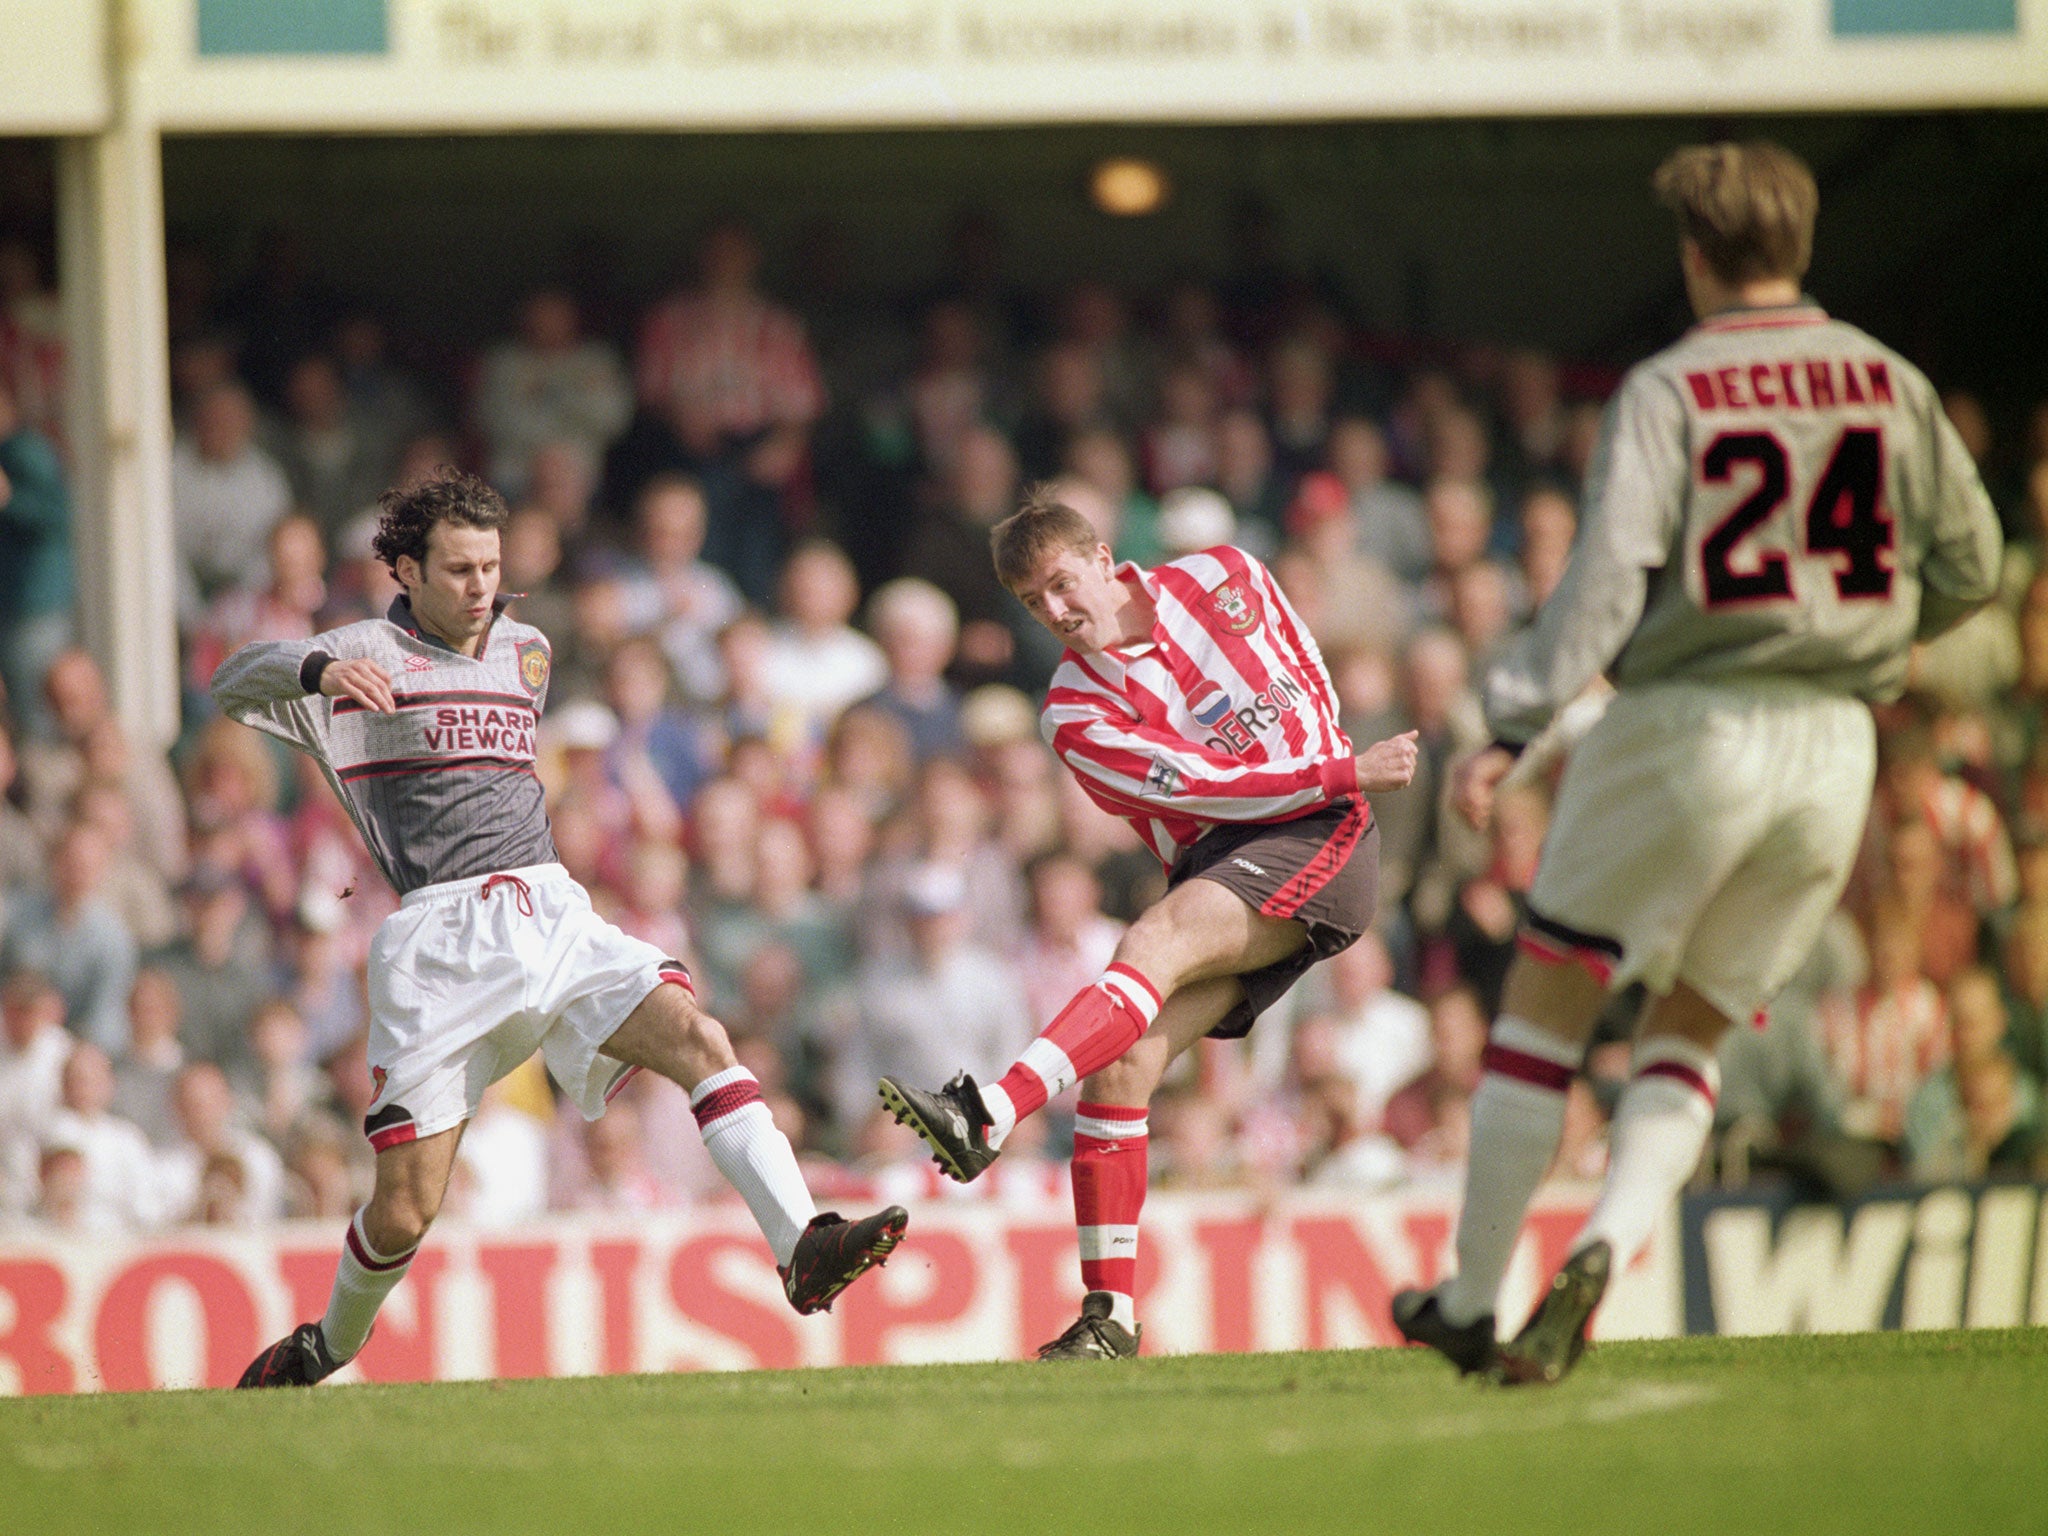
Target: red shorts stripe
x=394 y=1135
x=1546 y=951
x=1321 y=869
x=623 y=1078
x=1524 y=1068
x=680 y=978
x=1679 y=1071
x=720 y=1102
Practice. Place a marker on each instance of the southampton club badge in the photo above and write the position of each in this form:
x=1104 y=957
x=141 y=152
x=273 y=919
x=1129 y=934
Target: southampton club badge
x=533 y=666
x=1237 y=606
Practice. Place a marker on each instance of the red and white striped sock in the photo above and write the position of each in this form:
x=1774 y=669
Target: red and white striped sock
x=1660 y=1128
x=755 y=1157
x=1104 y=1019
x=364 y=1278
x=1109 y=1194
x=1517 y=1122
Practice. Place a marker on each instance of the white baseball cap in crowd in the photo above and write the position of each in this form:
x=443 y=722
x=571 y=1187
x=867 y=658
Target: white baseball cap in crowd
x=1194 y=517
x=584 y=723
x=933 y=890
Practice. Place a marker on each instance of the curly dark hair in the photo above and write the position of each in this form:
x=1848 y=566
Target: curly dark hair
x=446 y=496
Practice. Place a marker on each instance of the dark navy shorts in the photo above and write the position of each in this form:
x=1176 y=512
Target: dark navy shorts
x=1322 y=869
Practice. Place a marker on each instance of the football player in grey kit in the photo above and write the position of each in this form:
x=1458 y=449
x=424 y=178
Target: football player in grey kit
x=423 y=723
x=1776 y=511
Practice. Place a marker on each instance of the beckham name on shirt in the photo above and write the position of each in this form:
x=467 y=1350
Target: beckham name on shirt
x=1819 y=383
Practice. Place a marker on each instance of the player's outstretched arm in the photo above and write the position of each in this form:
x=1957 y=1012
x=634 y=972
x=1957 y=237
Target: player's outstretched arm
x=1630 y=518
x=271 y=684
x=264 y=673
x=1388 y=765
x=1960 y=572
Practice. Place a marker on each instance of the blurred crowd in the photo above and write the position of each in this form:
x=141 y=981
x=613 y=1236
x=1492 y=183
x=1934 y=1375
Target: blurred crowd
x=791 y=737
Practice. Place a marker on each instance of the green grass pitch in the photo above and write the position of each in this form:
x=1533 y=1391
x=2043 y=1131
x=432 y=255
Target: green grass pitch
x=1930 y=1432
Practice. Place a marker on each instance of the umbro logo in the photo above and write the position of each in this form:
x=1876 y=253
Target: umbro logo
x=1249 y=865
x=418 y=664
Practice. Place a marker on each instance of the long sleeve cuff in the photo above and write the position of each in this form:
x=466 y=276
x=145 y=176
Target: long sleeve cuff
x=1340 y=776
x=316 y=662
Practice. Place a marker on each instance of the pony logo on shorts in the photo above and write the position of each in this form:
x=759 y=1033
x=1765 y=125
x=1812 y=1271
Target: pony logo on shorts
x=533 y=666
x=1237 y=606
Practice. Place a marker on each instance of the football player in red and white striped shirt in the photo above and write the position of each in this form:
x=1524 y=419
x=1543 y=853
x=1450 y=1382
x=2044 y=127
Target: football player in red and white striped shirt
x=1192 y=703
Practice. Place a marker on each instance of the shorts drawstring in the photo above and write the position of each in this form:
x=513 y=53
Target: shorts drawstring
x=520 y=891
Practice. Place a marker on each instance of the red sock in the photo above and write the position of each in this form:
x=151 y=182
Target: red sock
x=1109 y=1192
x=1104 y=1020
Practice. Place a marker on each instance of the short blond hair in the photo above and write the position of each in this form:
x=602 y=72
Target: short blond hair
x=913 y=601
x=1749 y=207
x=1043 y=525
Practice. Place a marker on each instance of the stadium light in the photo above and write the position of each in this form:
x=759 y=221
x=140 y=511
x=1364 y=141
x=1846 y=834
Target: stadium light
x=1129 y=188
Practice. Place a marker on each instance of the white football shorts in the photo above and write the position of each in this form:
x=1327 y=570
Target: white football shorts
x=1702 y=833
x=468 y=978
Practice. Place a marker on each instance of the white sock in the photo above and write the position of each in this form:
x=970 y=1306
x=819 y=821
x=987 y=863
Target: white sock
x=362 y=1282
x=1660 y=1129
x=1517 y=1122
x=755 y=1157
x=1002 y=1113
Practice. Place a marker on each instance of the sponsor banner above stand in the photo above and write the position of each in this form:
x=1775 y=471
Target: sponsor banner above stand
x=1903 y=1258
x=53 y=67
x=698 y=1291
x=544 y=64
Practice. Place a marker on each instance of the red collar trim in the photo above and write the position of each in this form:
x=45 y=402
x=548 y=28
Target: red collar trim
x=1772 y=317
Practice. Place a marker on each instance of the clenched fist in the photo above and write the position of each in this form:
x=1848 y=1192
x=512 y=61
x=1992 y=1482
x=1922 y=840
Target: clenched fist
x=1474 y=778
x=1387 y=765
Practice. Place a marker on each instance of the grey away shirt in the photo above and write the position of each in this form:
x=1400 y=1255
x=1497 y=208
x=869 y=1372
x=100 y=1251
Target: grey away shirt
x=444 y=787
x=1775 y=495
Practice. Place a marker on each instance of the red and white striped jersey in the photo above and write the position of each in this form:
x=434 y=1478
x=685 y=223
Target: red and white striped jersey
x=744 y=367
x=1884 y=1048
x=1226 y=714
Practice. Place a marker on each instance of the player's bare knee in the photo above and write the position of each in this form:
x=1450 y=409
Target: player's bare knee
x=1156 y=946
x=703 y=1040
x=671 y=1035
x=397 y=1219
x=1558 y=996
x=1125 y=1081
x=1687 y=1014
